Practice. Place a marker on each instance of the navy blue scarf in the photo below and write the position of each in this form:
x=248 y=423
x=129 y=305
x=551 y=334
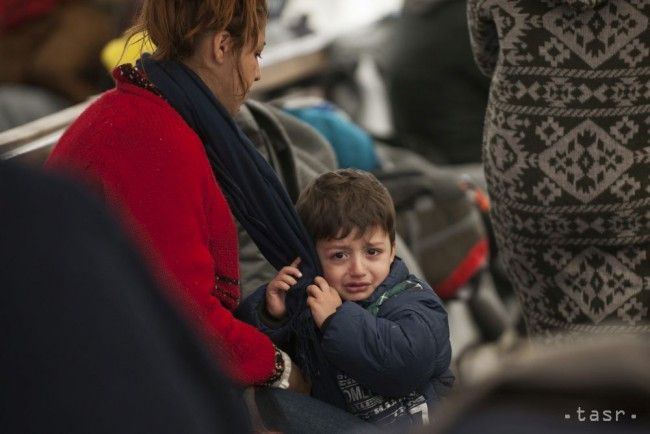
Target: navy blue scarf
x=256 y=196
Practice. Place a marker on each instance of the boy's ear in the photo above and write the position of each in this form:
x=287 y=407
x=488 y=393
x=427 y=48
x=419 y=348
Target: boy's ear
x=393 y=251
x=221 y=46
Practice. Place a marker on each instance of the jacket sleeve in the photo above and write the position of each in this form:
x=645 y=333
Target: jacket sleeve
x=483 y=35
x=253 y=311
x=391 y=355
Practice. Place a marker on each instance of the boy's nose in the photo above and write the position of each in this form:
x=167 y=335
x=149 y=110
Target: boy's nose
x=357 y=266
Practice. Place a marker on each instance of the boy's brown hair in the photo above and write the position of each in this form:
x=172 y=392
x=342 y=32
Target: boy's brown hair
x=336 y=203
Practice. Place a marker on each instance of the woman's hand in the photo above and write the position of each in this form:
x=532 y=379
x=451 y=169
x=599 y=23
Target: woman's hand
x=276 y=290
x=322 y=300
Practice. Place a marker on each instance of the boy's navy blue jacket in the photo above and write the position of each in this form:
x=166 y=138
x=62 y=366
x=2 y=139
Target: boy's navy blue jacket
x=405 y=348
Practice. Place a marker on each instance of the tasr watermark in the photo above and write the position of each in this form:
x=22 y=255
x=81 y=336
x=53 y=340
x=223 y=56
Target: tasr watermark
x=594 y=415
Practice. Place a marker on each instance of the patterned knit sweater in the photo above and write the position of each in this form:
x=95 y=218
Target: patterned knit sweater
x=567 y=153
x=141 y=156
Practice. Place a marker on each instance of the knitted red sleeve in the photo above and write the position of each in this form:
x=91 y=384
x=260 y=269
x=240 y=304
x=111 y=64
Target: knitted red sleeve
x=159 y=177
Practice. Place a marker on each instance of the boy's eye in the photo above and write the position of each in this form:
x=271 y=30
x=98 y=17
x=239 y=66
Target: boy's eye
x=338 y=255
x=374 y=252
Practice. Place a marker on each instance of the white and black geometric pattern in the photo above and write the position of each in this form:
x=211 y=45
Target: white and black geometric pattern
x=594 y=34
x=585 y=161
x=567 y=156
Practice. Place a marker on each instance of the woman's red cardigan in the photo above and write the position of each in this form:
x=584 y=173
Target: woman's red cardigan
x=142 y=157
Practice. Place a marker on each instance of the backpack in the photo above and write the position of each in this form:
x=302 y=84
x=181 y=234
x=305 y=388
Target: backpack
x=439 y=219
x=298 y=154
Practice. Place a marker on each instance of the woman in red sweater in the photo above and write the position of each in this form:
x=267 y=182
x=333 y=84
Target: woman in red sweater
x=145 y=156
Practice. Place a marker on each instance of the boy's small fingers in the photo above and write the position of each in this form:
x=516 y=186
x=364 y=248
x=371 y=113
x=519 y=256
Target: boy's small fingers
x=291 y=271
x=295 y=264
x=289 y=280
x=312 y=290
x=321 y=282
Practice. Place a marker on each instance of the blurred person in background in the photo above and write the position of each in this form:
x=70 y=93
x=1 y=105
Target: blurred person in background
x=437 y=94
x=92 y=342
x=50 y=53
x=566 y=157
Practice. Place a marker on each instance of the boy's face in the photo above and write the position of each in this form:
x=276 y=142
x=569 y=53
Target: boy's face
x=356 y=265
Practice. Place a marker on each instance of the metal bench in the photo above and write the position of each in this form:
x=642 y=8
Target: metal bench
x=31 y=143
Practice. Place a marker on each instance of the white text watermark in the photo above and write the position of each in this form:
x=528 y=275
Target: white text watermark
x=600 y=415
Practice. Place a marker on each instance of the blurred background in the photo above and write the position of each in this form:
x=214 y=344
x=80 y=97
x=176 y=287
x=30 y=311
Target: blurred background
x=387 y=63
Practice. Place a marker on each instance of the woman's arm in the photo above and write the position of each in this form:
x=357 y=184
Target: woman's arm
x=191 y=226
x=153 y=168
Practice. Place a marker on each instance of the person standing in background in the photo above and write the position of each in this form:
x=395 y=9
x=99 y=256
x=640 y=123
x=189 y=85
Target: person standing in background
x=566 y=156
x=50 y=53
x=55 y=44
x=437 y=94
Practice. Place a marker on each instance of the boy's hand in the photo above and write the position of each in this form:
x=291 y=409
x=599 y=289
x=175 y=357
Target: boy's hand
x=298 y=383
x=276 y=290
x=322 y=300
